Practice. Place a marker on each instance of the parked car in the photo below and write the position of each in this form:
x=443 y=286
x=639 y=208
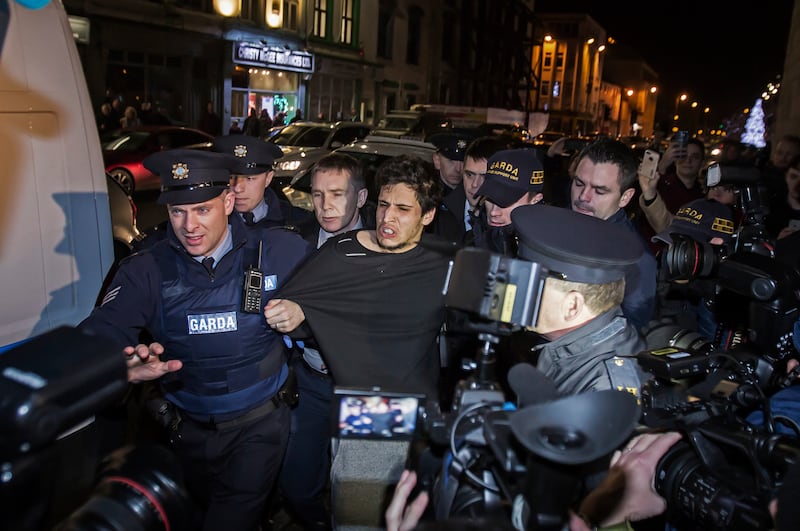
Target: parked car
x=416 y=125
x=372 y=151
x=125 y=149
x=304 y=143
x=123 y=218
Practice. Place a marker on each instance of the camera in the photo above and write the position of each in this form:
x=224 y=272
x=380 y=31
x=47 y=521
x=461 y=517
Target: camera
x=54 y=432
x=728 y=466
x=724 y=472
x=490 y=458
x=752 y=202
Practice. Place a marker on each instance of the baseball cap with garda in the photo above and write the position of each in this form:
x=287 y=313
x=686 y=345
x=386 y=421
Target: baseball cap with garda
x=510 y=174
x=702 y=220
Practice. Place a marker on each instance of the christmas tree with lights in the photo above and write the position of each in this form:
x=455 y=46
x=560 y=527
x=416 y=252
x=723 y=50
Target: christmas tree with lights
x=754 y=127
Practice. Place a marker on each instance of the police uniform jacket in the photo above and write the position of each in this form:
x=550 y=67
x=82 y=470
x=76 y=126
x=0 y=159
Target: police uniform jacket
x=232 y=361
x=449 y=221
x=599 y=355
x=281 y=213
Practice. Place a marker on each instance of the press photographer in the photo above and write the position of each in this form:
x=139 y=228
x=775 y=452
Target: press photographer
x=569 y=291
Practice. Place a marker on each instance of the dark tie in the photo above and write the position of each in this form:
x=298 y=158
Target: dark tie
x=208 y=263
x=249 y=218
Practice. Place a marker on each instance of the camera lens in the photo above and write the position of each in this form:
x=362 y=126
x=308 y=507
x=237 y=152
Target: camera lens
x=686 y=259
x=699 y=499
x=140 y=488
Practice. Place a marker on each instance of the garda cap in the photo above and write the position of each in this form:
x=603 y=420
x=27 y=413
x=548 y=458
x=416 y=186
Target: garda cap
x=510 y=174
x=190 y=175
x=573 y=246
x=701 y=220
x=452 y=144
x=253 y=155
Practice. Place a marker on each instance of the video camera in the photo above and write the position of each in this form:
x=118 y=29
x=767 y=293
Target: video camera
x=53 y=389
x=491 y=460
x=728 y=467
x=752 y=202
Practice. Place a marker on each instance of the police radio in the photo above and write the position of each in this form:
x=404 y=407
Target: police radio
x=253 y=287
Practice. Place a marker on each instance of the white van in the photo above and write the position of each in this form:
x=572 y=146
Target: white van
x=55 y=227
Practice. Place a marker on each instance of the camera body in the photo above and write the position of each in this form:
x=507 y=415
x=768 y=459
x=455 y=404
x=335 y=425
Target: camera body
x=727 y=468
x=55 y=437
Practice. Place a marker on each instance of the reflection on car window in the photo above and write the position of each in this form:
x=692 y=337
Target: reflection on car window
x=302 y=136
x=131 y=141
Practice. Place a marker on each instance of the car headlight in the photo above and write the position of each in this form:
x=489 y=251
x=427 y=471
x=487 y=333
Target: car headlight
x=289 y=165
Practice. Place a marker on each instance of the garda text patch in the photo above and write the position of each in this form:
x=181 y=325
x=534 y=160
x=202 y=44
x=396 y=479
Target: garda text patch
x=270 y=282
x=212 y=323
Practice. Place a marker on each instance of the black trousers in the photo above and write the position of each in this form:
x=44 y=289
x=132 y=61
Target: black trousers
x=307 y=463
x=231 y=472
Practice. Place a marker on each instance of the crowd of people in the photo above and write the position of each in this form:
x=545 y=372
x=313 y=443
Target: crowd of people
x=353 y=297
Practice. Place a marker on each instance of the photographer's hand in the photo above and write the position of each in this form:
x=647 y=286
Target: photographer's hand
x=673 y=152
x=402 y=517
x=144 y=362
x=628 y=491
x=649 y=186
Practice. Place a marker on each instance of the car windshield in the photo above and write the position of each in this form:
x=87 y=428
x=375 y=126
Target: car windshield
x=302 y=136
x=397 y=123
x=125 y=141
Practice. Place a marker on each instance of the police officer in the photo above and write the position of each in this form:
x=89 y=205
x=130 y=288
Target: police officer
x=459 y=210
x=256 y=202
x=339 y=194
x=590 y=344
x=449 y=157
x=514 y=177
x=221 y=368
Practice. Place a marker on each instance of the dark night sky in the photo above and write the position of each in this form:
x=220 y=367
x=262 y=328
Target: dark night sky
x=722 y=53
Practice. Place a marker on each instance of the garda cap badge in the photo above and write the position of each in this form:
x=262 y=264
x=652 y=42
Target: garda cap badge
x=722 y=225
x=537 y=177
x=461 y=144
x=240 y=150
x=180 y=171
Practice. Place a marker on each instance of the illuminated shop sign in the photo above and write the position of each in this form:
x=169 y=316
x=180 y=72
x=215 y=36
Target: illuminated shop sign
x=273 y=57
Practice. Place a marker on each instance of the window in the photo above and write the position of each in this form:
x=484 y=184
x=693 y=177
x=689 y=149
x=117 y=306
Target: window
x=414 y=35
x=545 y=88
x=560 y=60
x=290 y=14
x=347 y=21
x=548 y=59
x=385 y=29
x=320 y=18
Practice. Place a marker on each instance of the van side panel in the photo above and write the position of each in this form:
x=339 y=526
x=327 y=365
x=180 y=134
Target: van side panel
x=55 y=228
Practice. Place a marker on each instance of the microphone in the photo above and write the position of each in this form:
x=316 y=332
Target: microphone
x=531 y=385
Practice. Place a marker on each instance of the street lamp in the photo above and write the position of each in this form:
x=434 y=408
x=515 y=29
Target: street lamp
x=228 y=8
x=629 y=93
x=680 y=98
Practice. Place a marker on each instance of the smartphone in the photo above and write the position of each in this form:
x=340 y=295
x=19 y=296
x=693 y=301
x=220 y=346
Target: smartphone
x=682 y=139
x=649 y=163
x=794 y=224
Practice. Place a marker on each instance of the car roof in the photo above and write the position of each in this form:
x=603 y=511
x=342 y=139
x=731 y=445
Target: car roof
x=306 y=123
x=389 y=146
